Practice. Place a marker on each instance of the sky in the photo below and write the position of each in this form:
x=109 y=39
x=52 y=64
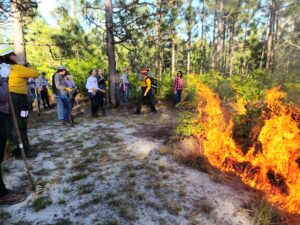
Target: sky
x=45 y=7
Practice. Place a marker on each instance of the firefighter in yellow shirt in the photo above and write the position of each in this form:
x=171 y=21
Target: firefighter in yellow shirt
x=147 y=95
x=17 y=85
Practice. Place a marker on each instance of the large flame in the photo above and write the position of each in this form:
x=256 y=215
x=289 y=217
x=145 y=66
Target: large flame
x=272 y=164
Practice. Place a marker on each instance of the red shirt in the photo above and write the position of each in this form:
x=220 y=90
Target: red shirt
x=178 y=84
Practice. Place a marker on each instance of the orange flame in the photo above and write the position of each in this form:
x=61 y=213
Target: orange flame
x=272 y=164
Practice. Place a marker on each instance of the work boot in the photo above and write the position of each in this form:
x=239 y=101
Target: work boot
x=11 y=198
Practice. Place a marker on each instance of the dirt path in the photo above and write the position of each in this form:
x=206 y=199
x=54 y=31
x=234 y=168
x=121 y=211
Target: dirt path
x=111 y=171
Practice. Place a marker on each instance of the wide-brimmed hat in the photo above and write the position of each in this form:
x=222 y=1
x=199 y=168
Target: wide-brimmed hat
x=5 y=49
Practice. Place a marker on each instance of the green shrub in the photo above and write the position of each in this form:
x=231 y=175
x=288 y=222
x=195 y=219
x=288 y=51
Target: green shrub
x=188 y=125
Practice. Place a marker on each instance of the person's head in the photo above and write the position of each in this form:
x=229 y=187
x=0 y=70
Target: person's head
x=100 y=72
x=7 y=54
x=93 y=72
x=144 y=72
x=43 y=74
x=126 y=70
x=62 y=70
x=179 y=74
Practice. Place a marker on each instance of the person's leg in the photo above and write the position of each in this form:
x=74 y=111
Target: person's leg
x=140 y=103
x=151 y=99
x=60 y=108
x=43 y=97
x=3 y=138
x=21 y=108
x=38 y=99
x=67 y=108
x=128 y=92
x=179 y=96
x=47 y=99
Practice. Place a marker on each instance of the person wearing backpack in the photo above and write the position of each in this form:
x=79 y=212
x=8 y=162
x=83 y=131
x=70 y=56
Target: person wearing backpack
x=61 y=90
x=147 y=95
x=102 y=93
x=178 y=87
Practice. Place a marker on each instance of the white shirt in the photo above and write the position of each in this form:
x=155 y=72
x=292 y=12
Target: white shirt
x=91 y=83
x=124 y=77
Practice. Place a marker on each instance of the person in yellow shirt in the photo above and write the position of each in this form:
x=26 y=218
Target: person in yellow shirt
x=147 y=95
x=17 y=85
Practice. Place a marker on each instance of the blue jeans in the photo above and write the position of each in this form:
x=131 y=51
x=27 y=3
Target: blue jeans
x=127 y=93
x=64 y=107
x=178 y=96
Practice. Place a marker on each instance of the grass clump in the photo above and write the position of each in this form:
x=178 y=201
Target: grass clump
x=77 y=177
x=41 y=203
x=4 y=216
x=263 y=213
x=85 y=189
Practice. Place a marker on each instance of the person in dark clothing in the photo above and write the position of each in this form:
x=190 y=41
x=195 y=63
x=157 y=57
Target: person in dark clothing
x=147 y=96
x=7 y=58
x=102 y=90
x=42 y=85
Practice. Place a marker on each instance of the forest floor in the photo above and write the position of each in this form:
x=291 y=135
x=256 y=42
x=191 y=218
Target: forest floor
x=112 y=170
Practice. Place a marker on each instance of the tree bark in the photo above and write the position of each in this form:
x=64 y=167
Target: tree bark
x=213 y=52
x=188 y=64
x=218 y=53
x=110 y=51
x=231 y=44
x=270 y=40
x=18 y=28
x=158 y=39
x=173 y=56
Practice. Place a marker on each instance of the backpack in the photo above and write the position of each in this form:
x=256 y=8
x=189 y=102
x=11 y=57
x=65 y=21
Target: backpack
x=54 y=88
x=154 y=83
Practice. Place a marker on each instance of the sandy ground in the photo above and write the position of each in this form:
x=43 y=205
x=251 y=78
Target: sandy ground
x=111 y=171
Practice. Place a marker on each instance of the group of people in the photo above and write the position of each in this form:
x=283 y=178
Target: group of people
x=20 y=85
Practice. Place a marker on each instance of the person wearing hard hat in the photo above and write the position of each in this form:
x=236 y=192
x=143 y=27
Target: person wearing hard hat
x=16 y=73
x=147 y=96
x=17 y=85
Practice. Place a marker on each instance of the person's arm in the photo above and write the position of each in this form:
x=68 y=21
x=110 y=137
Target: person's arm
x=148 y=84
x=58 y=84
x=175 y=85
x=24 y=72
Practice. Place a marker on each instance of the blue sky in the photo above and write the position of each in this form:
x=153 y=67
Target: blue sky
x=45 y=7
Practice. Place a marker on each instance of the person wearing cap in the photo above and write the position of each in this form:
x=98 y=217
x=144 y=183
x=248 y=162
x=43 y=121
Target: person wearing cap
x=147 y=96
x=17 y=85
x=93 y=92
x=125 y=85
x=8 y=67
x=42 y=85
x=61 y=90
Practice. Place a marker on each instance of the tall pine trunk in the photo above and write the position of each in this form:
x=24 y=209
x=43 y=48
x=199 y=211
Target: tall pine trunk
x=213 y=52
x=218 y=53
x=18 y=31
x=158 y=39
x=110 y=51
x=270 y=40
x=231 y=44
x=188 y=64
x=173 y=57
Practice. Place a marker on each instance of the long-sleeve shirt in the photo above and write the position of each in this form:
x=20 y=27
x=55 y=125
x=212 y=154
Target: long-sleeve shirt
x=91 y=84
x=18 y=78
x=146 y=84
x=178 y=84
x=42 y=83
x=70 y=83
x=60 y=83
